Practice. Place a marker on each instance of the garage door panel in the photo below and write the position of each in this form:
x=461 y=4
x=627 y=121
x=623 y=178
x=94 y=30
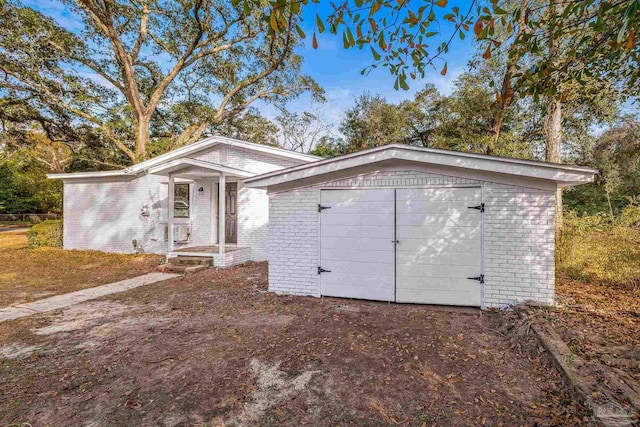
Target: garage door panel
x=375 y=255
x=434 y=232
x=432 y=271
x=457 y=245
x=357 y=196
x=356 y=232
x=357 y=219
x=364 y=243
x=359 y=268
x=441 y=208
x=356 y=244
x=358 y=207
x=340 y=278
x=355 y=291
x=444 y=259
x=438 y=220
x=431 y=195
x=440 y=244
x=431 y=296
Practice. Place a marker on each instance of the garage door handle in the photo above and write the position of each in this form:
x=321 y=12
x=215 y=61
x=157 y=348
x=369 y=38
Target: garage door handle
x=322 y=270
x=395 y=241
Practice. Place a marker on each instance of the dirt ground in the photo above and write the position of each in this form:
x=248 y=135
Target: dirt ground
x=601 y=324
x=216 y=348
x=31 y=274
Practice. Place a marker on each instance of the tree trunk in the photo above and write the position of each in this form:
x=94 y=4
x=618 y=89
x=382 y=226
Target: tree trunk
x=142 y=138
x=552 y=129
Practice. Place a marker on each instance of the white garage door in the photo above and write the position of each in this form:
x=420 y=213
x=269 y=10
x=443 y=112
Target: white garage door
x=357 y=233
x=439 y=246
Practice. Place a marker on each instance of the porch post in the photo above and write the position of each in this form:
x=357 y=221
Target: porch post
x=170 y=207
x=222 y=192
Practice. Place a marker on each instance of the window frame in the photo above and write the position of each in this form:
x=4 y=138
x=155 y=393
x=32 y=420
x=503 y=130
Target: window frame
x=175 y=198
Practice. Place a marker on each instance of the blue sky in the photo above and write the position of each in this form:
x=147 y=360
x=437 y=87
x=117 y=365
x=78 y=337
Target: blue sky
x=337 y=70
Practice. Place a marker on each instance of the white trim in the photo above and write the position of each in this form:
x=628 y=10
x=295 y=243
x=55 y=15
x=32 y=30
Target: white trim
x=222 y=194
x=175 y=166
x=196 y=147
x=78 y=175
x=561 y=174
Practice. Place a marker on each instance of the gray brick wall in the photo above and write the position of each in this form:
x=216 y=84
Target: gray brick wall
x=518 y=238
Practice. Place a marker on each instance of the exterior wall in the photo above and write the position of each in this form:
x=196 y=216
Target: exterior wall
x=293 y=242
x=108 y=216
x=518 y=236
x=253 y=221
x=253 y=203
x=519 y=243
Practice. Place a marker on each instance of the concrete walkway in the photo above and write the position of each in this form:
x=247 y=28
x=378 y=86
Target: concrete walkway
x=60 y=301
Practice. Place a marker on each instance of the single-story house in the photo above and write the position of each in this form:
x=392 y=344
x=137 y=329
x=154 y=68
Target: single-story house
x=178 y=194
x=416 y=225
x=394 y=223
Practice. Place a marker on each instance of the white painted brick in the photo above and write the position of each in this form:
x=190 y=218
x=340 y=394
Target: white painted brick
x=518 y=238
x=107 y=215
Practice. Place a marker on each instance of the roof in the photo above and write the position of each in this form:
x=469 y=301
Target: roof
x=562 y=175
x=187 y=150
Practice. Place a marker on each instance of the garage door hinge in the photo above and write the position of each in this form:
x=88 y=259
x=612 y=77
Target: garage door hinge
x=322 y=270
x=321 y=208
x=480 y=207
x=479 y=278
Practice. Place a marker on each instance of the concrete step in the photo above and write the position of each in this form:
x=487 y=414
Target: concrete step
x=191 y=261
x=185 y=269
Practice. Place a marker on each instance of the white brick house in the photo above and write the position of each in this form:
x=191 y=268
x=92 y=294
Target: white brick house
x=177 y=194
x=407 y=224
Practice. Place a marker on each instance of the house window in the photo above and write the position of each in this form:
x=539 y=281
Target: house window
x=181 y=201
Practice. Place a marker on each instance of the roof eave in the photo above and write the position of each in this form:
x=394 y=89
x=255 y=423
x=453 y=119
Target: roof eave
x=563 y=175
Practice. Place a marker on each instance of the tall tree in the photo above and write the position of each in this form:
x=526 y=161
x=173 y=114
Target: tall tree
x=303 y=131
x=132 y=58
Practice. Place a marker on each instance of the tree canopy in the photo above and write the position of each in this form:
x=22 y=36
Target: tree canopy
x=139 y=71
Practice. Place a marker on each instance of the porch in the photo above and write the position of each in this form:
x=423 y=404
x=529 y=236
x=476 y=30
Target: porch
x=233 y=254
x=221 y=214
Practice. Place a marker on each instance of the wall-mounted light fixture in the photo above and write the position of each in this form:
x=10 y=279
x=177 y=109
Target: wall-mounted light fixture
x=201 y=190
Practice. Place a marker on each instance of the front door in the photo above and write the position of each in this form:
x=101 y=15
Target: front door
x=231 y=212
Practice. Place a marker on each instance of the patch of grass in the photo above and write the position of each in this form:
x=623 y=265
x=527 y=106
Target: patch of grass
x=28 y=274
x=46 y=234
x=597 y=249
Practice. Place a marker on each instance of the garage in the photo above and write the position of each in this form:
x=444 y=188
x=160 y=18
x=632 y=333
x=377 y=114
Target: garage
x=408 y=224
x=419 y=245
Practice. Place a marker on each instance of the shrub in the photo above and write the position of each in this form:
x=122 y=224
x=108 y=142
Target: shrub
x=46 y=233
x=596 y=248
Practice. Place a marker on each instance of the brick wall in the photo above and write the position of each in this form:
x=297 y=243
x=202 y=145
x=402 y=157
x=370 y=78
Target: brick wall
x=293 y=242
x=519 y=236
x=519 y=239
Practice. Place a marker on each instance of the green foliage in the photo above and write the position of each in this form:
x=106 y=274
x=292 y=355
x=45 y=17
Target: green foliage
x=461 y=121
x=596 y=248
x=47 y=233
x=134 y=72
x=24 y=187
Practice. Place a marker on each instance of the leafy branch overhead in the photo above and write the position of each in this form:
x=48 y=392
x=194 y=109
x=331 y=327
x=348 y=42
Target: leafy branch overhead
x=410 y=38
